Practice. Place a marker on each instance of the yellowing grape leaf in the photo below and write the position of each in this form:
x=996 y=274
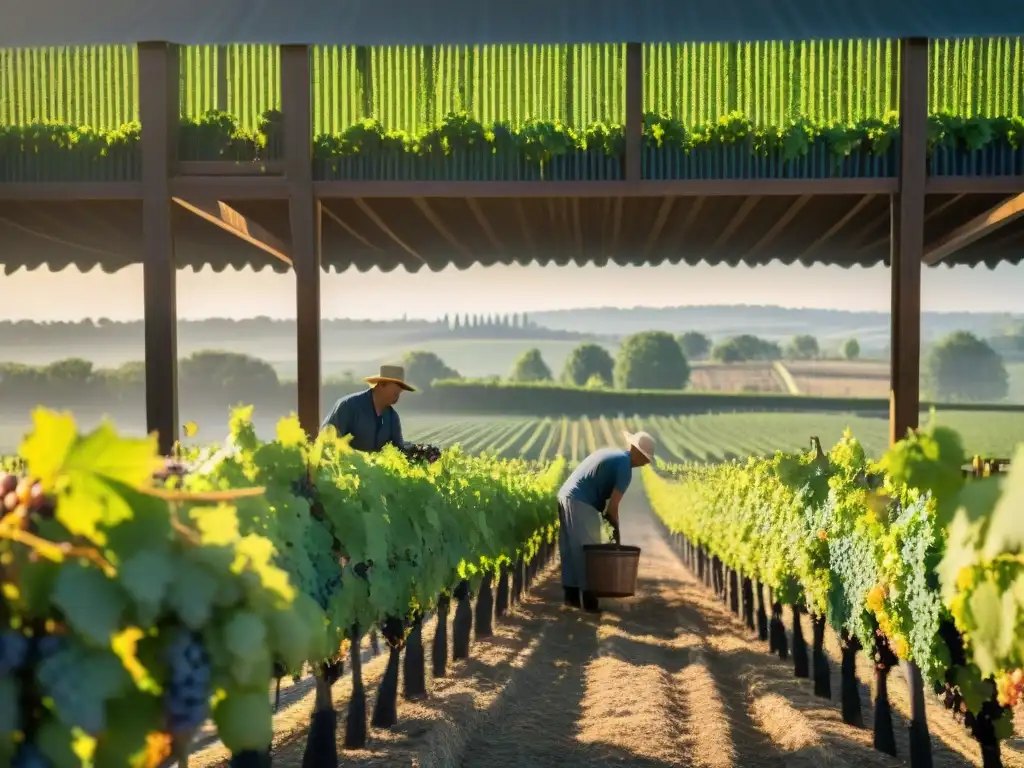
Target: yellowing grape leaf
x=217 y=526
x=47 y=446
x=103 y=452
x=986 y=610
x=125 y=644
x=92 y=603
x=290 y=432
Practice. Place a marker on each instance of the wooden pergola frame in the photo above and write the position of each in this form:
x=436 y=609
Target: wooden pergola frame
x=202 y=187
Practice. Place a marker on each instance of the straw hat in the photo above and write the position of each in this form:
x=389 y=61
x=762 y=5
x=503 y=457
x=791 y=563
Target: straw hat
x=642 y=441
x=393 y=374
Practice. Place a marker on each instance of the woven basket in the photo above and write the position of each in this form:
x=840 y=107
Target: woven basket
x=611 y=569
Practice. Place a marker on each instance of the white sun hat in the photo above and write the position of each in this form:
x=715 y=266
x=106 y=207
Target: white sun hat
x=642 y=441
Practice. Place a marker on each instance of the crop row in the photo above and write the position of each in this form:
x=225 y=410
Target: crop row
x=143 y=595
x=702 y=438
x=908 y=559
x=410 y=88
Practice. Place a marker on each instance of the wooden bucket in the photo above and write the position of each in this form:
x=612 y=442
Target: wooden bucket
x=611 y=569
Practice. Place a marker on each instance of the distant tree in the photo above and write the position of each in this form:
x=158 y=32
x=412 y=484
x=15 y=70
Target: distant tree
x=456 y=326
x=525 y=321
x=446 y=322
x=596 y=382
x=651 y=360
x=71 y=370
x=803 y=347
x=695 y=345
x=424 y=368
x=242 y=376
x=530 y=367
x=962 y=367
x=515 y=320
x=851 y=349
x=745 y=347
x=587 y=361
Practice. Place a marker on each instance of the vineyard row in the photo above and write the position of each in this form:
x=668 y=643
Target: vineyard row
x=905 y=559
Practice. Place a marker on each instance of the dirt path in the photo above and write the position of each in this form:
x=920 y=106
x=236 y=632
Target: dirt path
x=667 y=678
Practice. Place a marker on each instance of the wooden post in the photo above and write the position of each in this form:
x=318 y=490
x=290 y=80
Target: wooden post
x=222 y=78
x=159 y=109
x=304 y=217
x=634 y=110
x=907 y=243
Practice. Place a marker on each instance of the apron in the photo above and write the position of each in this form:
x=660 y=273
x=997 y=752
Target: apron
x=579 y=524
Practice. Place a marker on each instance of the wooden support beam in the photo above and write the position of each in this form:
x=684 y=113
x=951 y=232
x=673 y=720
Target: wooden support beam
x=158 y=112
x=225 y=217
x=634 y=111
x=996 y=217
x=305 y=219
x=907 y=246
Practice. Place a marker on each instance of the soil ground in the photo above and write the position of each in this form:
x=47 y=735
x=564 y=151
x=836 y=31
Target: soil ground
x=667 y=678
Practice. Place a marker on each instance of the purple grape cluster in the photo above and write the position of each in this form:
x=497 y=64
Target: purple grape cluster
x=14 y=651
x=421 y=452
x=189 y=684
x=25 y=494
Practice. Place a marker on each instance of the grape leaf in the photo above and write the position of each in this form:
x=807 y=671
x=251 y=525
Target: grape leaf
x=146 y=575
x=1005 y=534
x=46 y=447
x=192 y=593
x=244 y=721
x=92 y=603
x=986 y=610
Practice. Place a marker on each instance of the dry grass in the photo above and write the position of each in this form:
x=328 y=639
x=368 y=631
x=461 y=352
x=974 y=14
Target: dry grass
x=735 y=377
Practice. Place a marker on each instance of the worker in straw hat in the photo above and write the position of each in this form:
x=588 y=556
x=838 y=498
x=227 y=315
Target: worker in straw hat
x=370 y=416
x=594 y=490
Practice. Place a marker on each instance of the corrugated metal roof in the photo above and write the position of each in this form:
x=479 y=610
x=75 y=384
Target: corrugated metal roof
x=416 y=22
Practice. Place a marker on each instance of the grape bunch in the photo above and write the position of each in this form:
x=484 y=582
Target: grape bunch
x=189 y=684
x=172 y=467
x=421 y=452
x=25 y=496
x=14 y=652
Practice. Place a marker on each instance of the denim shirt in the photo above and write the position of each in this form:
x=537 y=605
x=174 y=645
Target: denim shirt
x=355 y=415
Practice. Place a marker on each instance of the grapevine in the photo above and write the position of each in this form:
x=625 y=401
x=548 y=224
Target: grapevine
x=904 y=555
x=181 y=589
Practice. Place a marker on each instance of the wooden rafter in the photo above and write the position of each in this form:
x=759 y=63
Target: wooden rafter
x=485 y=224
x=779 y=225
x=436 y=223
x=225 y=217
x=996 y=217
x=734 y=223
x=659 y=223
x=372 y=216
x=333 y=216
x=838 y=226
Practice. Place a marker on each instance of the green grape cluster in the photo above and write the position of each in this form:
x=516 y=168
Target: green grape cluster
x=180 y=594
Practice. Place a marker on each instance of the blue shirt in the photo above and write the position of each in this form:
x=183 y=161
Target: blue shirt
x=602 y=472
x=355 y=415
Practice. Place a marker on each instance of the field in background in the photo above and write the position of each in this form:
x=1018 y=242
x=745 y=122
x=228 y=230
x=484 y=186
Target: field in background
x=703 y=437
x=708 y=437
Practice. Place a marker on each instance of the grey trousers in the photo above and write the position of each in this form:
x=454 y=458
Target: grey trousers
x=579 y=524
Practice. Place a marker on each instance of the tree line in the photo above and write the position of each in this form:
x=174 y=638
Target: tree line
x=960 y=368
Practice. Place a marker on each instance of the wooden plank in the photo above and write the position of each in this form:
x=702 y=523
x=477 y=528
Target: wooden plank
x=993 y=219
x=907 y=221
x=230 y=168
x=158 y=112
x=225 y=217
x=305 y=219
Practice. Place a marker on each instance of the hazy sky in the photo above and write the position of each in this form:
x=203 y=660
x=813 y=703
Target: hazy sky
x=71 y=294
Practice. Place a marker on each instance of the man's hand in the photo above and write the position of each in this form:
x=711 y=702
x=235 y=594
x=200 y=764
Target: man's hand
x=612 y=512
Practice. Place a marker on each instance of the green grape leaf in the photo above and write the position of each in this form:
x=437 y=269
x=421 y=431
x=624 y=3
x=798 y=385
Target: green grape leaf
x=244 y=721
x=63 y=748
x=986 y=610
x=191 y=593
x=134 y=715
x=92 y=603
x=146 y=576
x=1005 y=534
